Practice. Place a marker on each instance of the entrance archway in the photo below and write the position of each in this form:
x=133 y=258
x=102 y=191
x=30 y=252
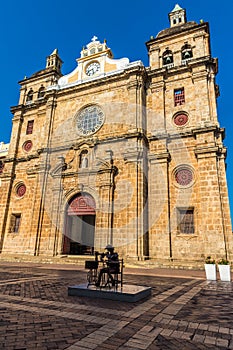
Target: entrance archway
x=80 y=225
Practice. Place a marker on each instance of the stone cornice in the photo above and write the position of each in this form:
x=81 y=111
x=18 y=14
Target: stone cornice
x=159 y=157
x=206 y=152
x=121 y=75
x=191 y=64
x=201 y=29
x=18 y=108
x=6 y=176
x=41 y=74
x=206 y=128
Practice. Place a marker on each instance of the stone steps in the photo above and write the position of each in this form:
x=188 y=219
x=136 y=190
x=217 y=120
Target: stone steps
x=80 y=260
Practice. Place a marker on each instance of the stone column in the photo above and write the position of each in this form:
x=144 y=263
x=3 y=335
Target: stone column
x=44 y=221
x=8 y=175
x=159 y=204
x=105 y=214
x=137 y=230
x=214 y=227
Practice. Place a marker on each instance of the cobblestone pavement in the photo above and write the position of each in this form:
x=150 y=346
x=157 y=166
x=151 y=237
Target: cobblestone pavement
x=183 y=312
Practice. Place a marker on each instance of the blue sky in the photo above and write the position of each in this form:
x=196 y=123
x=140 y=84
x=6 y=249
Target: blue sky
x=31 y=30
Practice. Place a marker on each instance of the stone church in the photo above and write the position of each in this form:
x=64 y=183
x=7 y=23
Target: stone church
x=120 y=153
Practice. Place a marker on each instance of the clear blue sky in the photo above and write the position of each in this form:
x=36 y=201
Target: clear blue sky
x=31 y=30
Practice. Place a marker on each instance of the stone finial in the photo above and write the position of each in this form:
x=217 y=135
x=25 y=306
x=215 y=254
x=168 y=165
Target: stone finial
x=177 y=8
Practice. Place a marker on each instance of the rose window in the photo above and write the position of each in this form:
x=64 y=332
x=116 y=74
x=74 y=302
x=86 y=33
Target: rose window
x=89 y=120
x=180 y=119
x=184 y=177
x=21 y=190
x=27 y=146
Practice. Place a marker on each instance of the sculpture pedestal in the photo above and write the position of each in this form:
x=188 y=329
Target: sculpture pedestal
x=128 y=292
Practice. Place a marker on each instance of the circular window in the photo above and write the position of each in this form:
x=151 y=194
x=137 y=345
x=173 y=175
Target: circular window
x=20 y=190
x=89 y=120
x=184 y=176
x=27 y=146
x=180 y=119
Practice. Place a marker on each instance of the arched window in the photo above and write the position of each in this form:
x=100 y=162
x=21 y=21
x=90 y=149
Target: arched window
x=186 y=52
x=29 y=96
x=83 y=159
x=41 y=92
x=167 y=57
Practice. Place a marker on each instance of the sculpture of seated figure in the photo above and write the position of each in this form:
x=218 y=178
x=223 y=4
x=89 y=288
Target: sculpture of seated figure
x=112 y=262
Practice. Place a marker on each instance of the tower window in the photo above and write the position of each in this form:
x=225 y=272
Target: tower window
x=41 y=92
x=186 y=52
x=29 y=96
x=185 y=220
x=30 y=127
x=167 y=57
x=179 y=98
x=15 y=223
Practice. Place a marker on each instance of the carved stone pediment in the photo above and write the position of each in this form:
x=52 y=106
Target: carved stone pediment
x=102 y=164
x=59 y=168
x=84 y=143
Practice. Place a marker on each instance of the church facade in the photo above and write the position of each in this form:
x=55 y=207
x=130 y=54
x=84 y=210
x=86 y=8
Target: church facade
x=119 y=153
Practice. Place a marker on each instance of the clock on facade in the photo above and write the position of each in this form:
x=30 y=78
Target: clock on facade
x=92 y=68
x=89 y=120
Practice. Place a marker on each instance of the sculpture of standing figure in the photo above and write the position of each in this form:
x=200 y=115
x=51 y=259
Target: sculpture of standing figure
x=83 y=160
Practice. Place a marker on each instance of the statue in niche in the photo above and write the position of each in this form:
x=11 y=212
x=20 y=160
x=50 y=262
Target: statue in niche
x=83 y=160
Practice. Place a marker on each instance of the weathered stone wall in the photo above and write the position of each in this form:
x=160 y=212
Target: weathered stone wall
x=133 y=160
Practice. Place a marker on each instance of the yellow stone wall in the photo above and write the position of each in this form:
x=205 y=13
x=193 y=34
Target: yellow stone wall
x=132 y=160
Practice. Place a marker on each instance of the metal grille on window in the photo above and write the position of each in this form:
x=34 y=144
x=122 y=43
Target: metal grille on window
x=30 y=127
x=89 y=120
x=179 y=98
x=186 y=221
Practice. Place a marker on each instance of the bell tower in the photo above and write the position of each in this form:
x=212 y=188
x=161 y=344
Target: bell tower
x=177 y=17
x=54 y=61
x=182 y=97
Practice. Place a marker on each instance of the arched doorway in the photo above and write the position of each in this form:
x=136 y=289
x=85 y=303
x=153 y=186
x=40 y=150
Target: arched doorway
x=80 y=225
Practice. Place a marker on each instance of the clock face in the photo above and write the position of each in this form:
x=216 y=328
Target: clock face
x=90 y=120
x=92 y=68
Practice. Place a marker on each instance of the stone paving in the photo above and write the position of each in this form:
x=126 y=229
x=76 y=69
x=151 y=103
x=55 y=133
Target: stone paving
x=183 y=312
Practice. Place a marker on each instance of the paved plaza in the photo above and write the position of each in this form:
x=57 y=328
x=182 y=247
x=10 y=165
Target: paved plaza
x=184 y=311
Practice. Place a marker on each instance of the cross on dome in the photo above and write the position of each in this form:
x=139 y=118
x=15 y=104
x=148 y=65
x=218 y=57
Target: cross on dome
x=94 y=38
